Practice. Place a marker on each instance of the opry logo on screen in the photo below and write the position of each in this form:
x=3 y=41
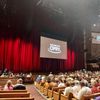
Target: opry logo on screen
x=53 y=48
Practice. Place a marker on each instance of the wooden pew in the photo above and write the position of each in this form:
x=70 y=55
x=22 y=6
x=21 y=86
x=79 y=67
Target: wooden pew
x=13 y=91
x=41 y=89
x=63 y=97
x=56 y=92
x=29 y=98
x=38 y=86
x=55 y=95
x=14 y=95
x=86 y=97
x=49 y=93
x=90 y=96
x=3 y=80
x=68 y=97
x=45 y=91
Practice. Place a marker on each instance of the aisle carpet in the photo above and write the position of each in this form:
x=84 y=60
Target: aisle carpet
x=35 y=93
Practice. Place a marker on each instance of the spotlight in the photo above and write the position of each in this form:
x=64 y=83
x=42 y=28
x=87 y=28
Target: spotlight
x=94 y=25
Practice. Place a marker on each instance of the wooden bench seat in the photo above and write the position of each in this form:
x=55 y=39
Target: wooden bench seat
x=67 y=97
x=3 y=80
x=41 y=89
x=13 y=91
x=29 y=98
x=86 y=97
x=57 y=92
x=63 y=97
x=55 y=95
x=12 y=95
x=45 y=91
x=91 y=96
x=49 y=93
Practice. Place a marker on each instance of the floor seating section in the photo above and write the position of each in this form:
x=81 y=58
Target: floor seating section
x=56 y=93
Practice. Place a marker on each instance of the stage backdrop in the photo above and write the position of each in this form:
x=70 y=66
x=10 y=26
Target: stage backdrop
x=19 y=55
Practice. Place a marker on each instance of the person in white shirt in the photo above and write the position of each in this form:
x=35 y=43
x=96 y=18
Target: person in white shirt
x=61 y=83
x=68 y=88
x=76 y=87
x=84 y=90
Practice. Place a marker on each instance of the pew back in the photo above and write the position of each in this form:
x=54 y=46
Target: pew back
x=13 y=91
x=3 y=80
x=29 y=98
x=91 y=96
x=12 y=95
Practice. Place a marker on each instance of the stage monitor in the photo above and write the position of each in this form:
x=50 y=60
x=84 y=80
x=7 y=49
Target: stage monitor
x=52 y=48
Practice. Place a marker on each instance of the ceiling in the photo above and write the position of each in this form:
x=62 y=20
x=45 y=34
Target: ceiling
x=57 y=16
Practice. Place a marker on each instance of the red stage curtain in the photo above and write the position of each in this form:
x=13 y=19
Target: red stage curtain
x=57 y=65
x=20 y=56
x=1 y=54
x=69 y=63
x=16 y=55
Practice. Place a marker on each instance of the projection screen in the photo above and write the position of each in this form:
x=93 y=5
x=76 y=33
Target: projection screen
x=52 y=48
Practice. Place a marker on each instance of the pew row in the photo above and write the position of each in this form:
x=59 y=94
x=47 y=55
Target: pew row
x=29 y=98
x=57 y=92
x=90 y=96
x=14 y=95
x=3 y=80
x=13 y=91
x=58 y=96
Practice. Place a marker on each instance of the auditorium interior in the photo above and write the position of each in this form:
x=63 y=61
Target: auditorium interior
x=49 y=49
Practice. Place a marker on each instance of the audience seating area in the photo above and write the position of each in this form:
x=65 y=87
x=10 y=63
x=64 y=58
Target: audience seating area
x=56 y=93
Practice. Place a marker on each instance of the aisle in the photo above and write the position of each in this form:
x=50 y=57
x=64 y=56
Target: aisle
x=34 y=92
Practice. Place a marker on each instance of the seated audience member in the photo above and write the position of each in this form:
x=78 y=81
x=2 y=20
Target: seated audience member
x=76 y=87
x=61 y=83
x=29 y=75
x=38 y=79
x=11 y=74
x=19 y=85
x=43 y=80
x=84 y=90
x=5 y=71
x=2 y=75
x=68 y=88
x=8 y=86
x=95 y=87
x=52 y=84
x=47 y=83
x=50 y=75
